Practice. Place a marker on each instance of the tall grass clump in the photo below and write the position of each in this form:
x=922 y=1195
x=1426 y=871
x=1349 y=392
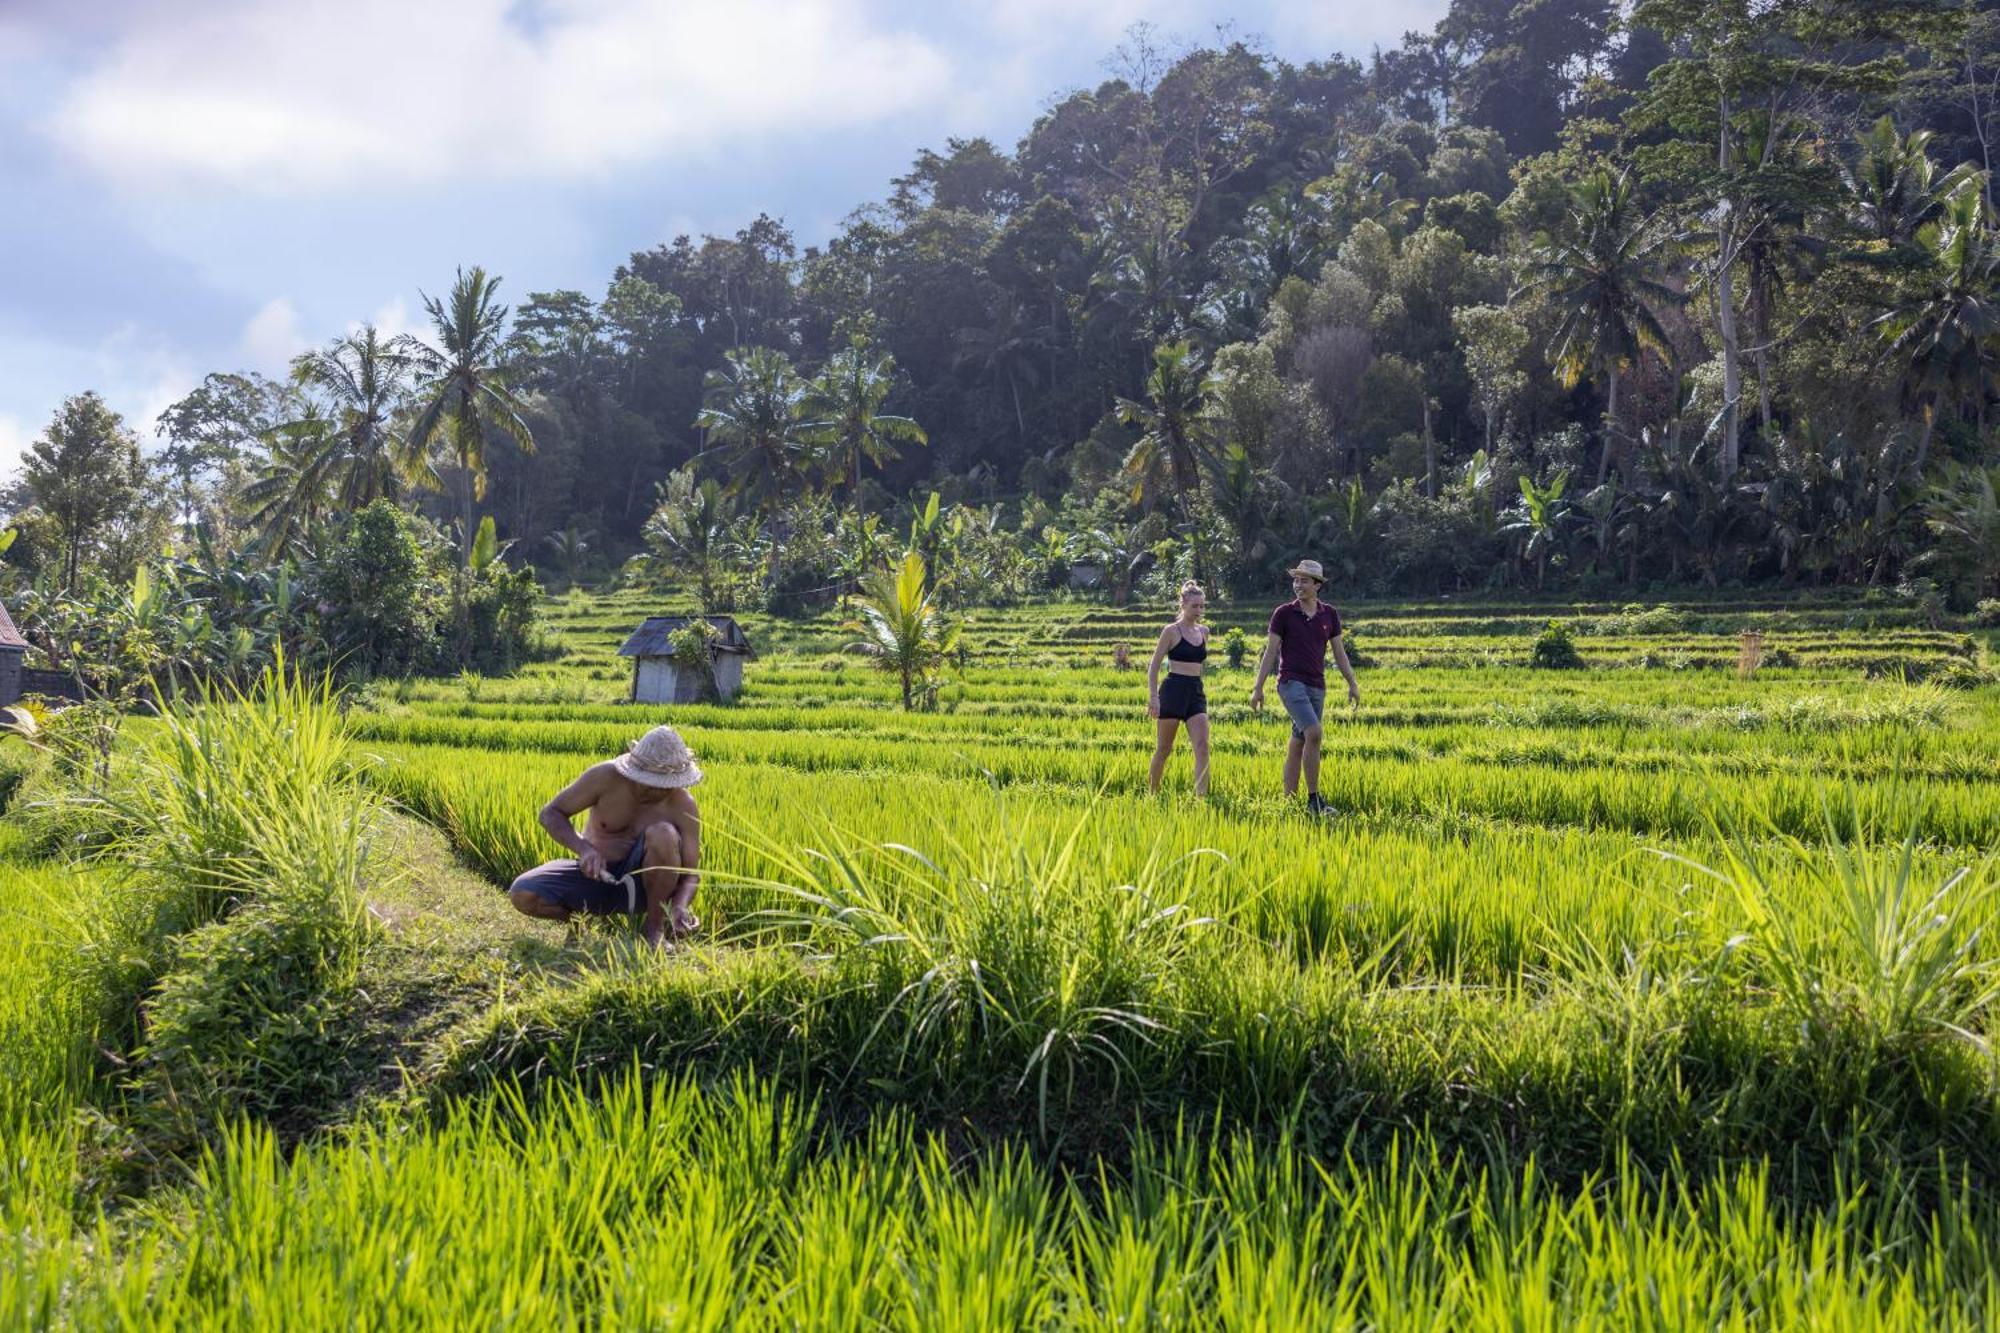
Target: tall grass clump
x=1872 y=948
x=208 y=797
x=227 y=969
x=1019 y=951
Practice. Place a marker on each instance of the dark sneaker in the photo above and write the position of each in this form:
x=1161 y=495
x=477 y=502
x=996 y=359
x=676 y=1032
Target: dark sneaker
x=1316 y=805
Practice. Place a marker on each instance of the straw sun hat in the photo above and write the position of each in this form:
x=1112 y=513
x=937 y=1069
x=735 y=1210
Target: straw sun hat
x=1310 y=568
x=660 y=758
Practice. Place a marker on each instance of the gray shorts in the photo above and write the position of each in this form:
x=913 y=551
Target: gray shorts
x=1303 y=704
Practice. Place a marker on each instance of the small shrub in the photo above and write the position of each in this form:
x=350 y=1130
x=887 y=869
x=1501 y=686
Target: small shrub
x=1637 y=618
x=1234 y=646
x=1987 y=613
x=1958 y=674
x=1555 y=648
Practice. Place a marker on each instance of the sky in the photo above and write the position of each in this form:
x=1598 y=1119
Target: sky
x=209 y=185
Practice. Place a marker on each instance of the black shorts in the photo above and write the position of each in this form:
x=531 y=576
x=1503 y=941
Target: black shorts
x=564 y=884
x=1182 y=697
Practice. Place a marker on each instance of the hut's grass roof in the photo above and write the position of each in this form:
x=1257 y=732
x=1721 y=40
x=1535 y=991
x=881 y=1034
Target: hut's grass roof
x=650 y=639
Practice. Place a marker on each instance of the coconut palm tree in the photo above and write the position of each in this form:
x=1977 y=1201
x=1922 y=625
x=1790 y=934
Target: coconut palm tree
x=1604 y=275
x=463 y=390
x=294 y=491
x=904 y=629
x=365 y=376
x=1941 y=328
x=756 y=410
x=569 y=547
x=689 y=534
x=1143 y=275
x=1177 y=444
x=1006 y=351
x=846 y=400
x=1893 y=186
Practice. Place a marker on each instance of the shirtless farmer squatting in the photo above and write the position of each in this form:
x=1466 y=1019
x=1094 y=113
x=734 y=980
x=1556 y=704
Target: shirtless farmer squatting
x=640 y=850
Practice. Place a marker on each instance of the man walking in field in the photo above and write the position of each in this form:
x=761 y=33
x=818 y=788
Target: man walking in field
x=1300 y=633
x=640 y=849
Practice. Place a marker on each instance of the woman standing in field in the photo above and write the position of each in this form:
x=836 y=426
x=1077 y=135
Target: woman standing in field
x=1183 y=646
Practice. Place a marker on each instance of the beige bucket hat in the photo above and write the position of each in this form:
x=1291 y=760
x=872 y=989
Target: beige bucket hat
x=660 y=758
x=1309 y=568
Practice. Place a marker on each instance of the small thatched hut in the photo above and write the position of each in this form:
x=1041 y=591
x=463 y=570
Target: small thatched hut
x=659 y=676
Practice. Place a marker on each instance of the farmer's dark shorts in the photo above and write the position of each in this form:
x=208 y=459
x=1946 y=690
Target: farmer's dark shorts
x=565 y=884
x=1182 y=697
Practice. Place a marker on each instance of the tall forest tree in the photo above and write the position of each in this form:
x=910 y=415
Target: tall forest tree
x=84 y=471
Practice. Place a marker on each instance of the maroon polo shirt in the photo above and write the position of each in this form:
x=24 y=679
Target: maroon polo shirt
x=1302 y=642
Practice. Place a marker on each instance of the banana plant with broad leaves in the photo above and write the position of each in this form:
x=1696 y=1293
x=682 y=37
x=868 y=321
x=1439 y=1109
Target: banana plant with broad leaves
x=1542 y=521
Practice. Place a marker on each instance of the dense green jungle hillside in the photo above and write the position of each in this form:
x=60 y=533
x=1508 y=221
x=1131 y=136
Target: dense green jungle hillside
x=1568 y=295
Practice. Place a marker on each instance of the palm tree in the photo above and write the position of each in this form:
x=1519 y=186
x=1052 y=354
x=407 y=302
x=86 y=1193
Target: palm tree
x=755 y=409
x=1177 y=442
x=288 y=502
x=1776 y=243
x=689 y=533
x=1942 y=327
x=1006 y=351
x=1116 y=548
x=905 y=630
x=463 y=389
x=1284 y=233
x=1603 y=274
x=846 y=400
x=570 y=546
x=365 y=376
x=1144 y=277
x=1964 y=516
x=1243 y=496
x=1893 y=186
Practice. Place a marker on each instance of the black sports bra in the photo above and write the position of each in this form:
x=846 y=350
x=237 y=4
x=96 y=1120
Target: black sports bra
x=1183 y=651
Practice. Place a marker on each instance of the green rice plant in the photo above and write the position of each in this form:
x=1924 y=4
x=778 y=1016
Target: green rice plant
x=256 y=1014
x=1898 y=957
x=195 y=798
x=1010 y=948
x=45 y=1015
x=654 y=1202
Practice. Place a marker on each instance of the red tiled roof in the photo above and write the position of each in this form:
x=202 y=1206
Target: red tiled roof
x=9 y=636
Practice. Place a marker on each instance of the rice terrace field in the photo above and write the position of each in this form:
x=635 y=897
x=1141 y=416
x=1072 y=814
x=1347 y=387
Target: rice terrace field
x=1650 y=994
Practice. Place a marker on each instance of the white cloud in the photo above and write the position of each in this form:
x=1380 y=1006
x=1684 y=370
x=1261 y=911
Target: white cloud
x=323 y=94
x=1354 y=28
x=391 y=319
x=273 y=336
x=1066 y=23
x=14 y=441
